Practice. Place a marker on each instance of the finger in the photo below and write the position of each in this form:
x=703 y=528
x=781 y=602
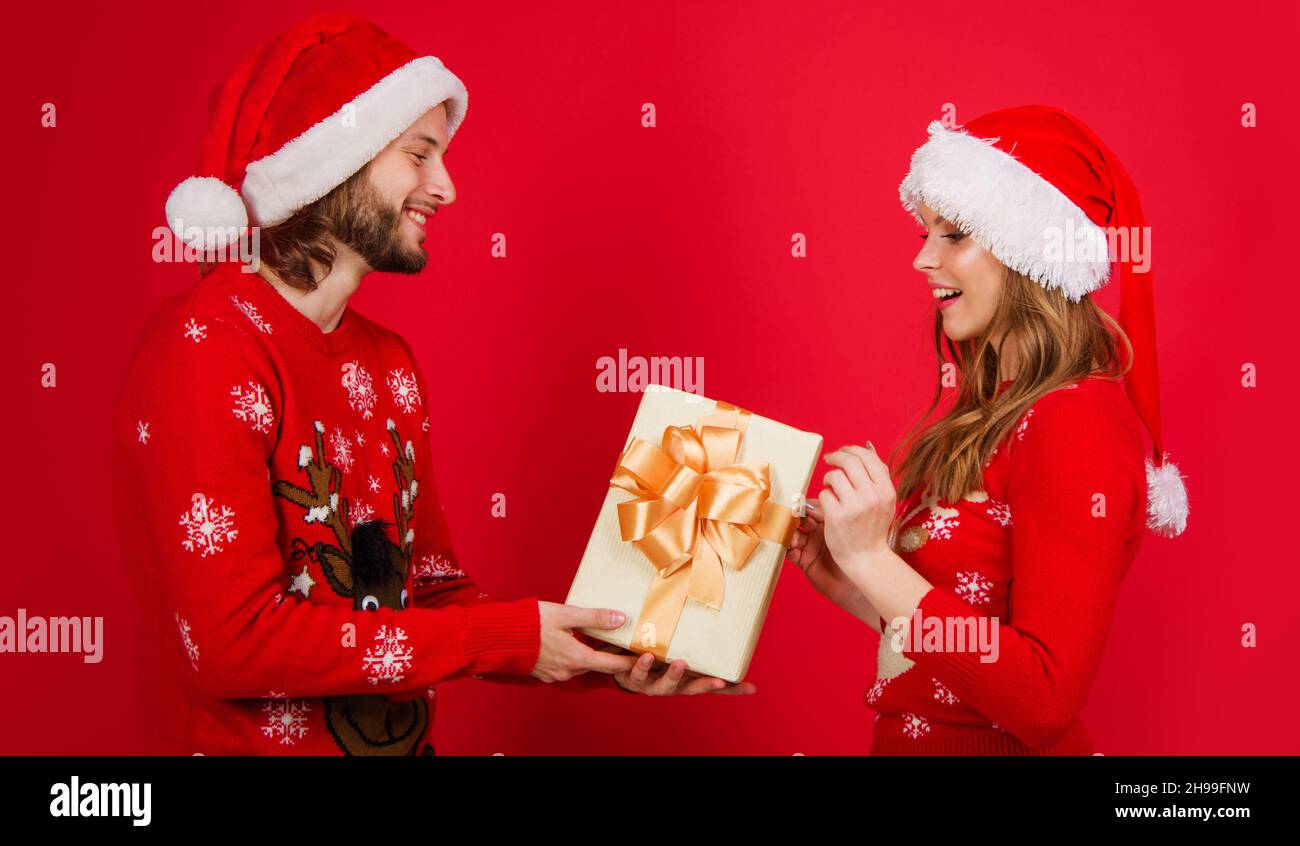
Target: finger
x=575 y=617
x=874 y=465
x=830 y=503
x=604 y=662
x=878 y=469
x=849 y=459
x=640 y=671
x=666 y=684
x=843 y=488
x=703 y=684
x=742 y=689
x=798 y=553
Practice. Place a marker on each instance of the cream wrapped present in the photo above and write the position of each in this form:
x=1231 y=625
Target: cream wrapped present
x=692 y=534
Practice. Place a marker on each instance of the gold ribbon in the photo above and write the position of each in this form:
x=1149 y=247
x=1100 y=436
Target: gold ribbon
x=697 y=510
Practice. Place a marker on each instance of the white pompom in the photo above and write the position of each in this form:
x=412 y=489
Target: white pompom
x=206 y=213
x=1166 y=499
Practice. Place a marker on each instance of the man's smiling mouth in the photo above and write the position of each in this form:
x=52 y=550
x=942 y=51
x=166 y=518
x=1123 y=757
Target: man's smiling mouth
x=419 y=214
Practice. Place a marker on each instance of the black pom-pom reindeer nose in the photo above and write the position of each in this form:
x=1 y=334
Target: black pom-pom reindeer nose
x=372 y=553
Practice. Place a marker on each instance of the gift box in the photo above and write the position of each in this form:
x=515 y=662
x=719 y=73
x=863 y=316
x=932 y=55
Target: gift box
x=692 y=534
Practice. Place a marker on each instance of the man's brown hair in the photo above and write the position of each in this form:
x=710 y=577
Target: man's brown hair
x=299 y=250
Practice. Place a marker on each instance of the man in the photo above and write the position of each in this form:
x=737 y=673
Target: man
x=274 y=491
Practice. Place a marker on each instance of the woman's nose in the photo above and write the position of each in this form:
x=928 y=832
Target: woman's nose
x=927 y=258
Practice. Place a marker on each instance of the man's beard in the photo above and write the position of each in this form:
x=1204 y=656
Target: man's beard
x=373 y=229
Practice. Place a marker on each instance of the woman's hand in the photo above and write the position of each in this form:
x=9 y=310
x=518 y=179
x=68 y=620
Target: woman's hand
x=670 y=683
x=809 y=553
x=858 y=505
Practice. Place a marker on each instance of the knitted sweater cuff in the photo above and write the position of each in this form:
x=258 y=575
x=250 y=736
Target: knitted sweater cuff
x=503 y=637
x=943 y=604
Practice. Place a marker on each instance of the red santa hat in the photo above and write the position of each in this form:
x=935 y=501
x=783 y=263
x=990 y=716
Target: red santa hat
x=298 y=116
x=1038 y=189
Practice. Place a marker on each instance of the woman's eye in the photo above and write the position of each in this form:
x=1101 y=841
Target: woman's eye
x=955 y=236
x=419 y=157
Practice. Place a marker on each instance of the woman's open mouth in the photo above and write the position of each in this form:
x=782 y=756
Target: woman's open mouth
x=944 y=297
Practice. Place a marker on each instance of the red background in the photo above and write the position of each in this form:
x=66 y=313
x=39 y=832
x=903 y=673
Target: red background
x=772 y=119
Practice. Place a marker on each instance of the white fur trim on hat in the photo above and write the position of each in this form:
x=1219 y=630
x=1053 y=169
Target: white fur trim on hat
x=322 y=158
x=206 y=213
x=1018 y=216
x=1166 y=499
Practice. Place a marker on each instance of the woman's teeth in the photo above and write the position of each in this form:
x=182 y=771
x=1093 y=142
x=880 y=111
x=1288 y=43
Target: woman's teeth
x=416 y=216
x=946 y=293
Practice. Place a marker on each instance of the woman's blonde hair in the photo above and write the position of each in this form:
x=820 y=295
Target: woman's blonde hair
x=1056 y=342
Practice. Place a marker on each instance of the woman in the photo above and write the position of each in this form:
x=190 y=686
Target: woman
x=991 y=558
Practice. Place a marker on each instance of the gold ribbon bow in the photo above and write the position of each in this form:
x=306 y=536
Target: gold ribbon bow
x=697 y=510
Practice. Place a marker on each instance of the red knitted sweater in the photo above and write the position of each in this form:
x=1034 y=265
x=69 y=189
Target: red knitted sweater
x=1042 y=548
x=247 y=445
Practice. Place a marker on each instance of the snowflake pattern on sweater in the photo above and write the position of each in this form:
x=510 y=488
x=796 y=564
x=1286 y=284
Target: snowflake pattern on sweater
x=406 y=393
x=360 y=388
x=1048 y=580
x=262 y=441
x=389 y=657
x=250 y=311
x=286 y=720
x=208 y=526
x=253 y=406
x=187 y=641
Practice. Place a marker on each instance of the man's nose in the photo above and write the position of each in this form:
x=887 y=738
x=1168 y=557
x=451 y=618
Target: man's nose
x=441 y=187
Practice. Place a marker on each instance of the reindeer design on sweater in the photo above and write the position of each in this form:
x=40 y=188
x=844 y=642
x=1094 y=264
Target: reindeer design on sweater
x=365 y=565
x=938 y=524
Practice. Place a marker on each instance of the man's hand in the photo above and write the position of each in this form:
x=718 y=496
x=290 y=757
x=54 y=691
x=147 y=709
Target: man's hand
x=562 y=655
x=639 y=680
